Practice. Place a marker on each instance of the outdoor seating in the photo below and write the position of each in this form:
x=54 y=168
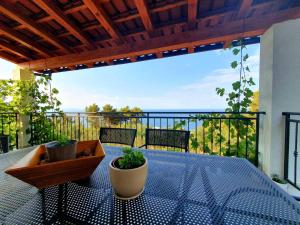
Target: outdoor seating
x=167 y=138
x=117 y=136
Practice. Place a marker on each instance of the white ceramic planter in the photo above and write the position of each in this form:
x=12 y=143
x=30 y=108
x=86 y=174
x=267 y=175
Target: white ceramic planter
x=128 y=183
x=283 y=186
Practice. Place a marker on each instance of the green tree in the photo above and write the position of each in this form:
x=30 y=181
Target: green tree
x=108 y=108
x=130 y=113
x=94 y=108
x=27 y=96
x=125 y=109
x=110 y=115
x=32 y=97
x=254 y=107
x=92 y=115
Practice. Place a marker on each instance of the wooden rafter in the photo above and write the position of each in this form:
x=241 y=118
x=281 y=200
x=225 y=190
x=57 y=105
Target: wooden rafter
x=102 y=18
x=15 y=14
x=192 y=13
x=8 y=57
x=58 y=32
x=175 y=26
x=15 y=49
x=234 y=30
x=57 y=14
x=244 y=6
x=24 y=40
x=144 y=13
x=154 y=10
x=123 y=16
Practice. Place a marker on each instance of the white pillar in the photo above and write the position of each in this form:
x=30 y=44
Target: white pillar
x=23 y=74
x=279 y=87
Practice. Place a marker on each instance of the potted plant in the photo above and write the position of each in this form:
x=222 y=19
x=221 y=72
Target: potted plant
x=4 y=143
x=62 y=149
x=280 y=182
x=128 y=174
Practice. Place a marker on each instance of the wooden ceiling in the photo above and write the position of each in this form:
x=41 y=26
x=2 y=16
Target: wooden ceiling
x=59 y=35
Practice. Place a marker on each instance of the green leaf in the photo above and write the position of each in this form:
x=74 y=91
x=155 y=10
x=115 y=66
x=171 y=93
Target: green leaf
x=54 y=91
x=234 y=64
x=131 y=159
x=220 y=91
x=235 y=51
x=236 y=85
x=245 y=57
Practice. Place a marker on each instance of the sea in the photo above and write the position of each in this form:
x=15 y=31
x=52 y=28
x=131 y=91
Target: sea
x=166 y=118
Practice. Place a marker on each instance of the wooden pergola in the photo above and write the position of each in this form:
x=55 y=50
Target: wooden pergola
x=60 y=35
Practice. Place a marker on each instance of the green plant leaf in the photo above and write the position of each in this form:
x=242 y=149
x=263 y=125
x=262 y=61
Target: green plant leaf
x=131 y=159
x=234 y=64
x=236 y=51
x=236 y=85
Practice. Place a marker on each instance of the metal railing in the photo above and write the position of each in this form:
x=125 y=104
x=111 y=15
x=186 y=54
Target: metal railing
x=291 y=148
x=218 y=133
x=9 y=127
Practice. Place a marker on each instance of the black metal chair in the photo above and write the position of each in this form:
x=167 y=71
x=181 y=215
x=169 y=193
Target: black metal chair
x=168 y=138
x=117 y=135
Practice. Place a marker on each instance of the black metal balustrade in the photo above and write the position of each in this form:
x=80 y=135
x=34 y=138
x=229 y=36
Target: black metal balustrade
x=218 y=133
x=9 y=128
x=291 y=145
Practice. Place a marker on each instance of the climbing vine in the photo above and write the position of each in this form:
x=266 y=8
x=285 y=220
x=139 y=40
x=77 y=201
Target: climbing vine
x=231 y=134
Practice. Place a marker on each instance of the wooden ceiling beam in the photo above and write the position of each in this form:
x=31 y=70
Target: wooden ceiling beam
x=243 y=8
x=15 y=14
x=57 y=14
x=123 y=17
x=176 y=27
x=144 y=13
x=9 y=57
x=192 y=13
x=219 y=33
x=126 y=17
x=15 y=49
x=15 y=35
x=102 y=18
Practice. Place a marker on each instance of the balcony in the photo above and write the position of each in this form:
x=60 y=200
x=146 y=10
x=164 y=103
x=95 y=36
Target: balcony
x=222 y=176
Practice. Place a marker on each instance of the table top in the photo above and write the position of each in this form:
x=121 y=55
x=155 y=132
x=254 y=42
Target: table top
x=181 y=188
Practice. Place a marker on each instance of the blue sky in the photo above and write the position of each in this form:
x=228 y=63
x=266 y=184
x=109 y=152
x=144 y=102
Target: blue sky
x=182 y=82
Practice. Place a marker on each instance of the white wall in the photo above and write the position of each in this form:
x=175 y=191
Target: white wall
x=279 y=89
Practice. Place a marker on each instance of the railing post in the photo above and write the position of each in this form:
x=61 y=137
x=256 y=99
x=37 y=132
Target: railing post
x=286 y=144
x=31 y=129
x=148 y=121
x=257 y=139
x=78 y=128
x=2 y=124
x=17 y=137
x=296 y=154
